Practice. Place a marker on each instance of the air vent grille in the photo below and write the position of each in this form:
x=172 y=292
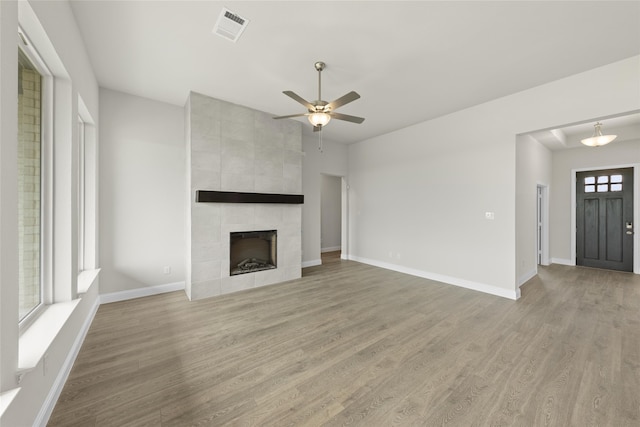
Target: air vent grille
x=230 y=25
x=234 y=17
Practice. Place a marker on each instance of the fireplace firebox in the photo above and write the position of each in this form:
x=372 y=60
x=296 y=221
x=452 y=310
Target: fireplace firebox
x=252 y=251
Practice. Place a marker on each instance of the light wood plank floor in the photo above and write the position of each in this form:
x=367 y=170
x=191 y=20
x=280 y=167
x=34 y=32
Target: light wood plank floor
x=351 y=344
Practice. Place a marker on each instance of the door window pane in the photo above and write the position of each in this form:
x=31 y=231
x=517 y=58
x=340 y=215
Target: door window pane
x=616 y=187
x=603 y=188
x=589 y=188
x=616 y=178
x=590 y=180
x=603 y=179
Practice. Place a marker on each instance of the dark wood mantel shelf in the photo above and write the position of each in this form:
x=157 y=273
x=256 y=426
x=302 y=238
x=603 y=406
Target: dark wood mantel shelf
x=206 y=196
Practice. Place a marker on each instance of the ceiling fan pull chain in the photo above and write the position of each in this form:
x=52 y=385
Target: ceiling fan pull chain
x=320 y=141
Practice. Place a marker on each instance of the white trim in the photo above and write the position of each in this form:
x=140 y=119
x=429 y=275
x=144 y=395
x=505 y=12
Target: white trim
x=527 y=276
x=344 y=255
x=54 y=392
x=563 y=261
x=86 y=279
x=141 y=292
x=344 y=219
x=36 y=340
x=463 y=283
x=545 y=225
x=636 y=218
x=311 y=263
x=330 y=249
x=6 y=398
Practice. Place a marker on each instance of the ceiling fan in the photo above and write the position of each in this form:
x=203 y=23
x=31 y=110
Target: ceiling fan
x=321 y=112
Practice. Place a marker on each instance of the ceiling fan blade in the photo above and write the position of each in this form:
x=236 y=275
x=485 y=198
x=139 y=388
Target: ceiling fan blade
x=292 y=115
x=345 y=99
x=346 y=117
x=298 y=98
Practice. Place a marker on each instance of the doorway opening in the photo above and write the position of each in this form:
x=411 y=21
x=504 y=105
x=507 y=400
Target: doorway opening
x=542 y=225
x=333 y=217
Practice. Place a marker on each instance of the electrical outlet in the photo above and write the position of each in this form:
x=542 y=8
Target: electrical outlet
x=167 y=269
x=490 y=215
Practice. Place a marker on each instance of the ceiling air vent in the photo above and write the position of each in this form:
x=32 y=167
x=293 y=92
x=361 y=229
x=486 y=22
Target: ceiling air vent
x=230 y=25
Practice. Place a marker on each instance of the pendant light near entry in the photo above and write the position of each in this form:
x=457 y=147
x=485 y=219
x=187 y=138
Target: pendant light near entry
x=598 y=139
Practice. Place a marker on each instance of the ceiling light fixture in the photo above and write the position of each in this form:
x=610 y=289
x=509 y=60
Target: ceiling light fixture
x=598 y=139
x=320 y=112
x=319 y=118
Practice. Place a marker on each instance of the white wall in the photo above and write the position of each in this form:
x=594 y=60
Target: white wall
x=52 y=27
x=419 y=195
x=331 y=213
x=331 y=161
x=533 y=168
x=616 y=153
x=8 y=194
x=142 y=203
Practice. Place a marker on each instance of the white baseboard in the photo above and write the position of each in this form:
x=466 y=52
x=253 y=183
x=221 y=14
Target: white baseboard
x=476 y=286
x=311 y=263
x=141 y=292
x=331 y=249
x=563 y=261
x=527 y=276
x=54 y=393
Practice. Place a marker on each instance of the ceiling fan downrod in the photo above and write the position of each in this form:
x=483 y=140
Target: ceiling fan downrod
x=319 y=66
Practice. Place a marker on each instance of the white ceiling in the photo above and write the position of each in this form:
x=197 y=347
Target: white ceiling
x=625 y=127
x=410 y=61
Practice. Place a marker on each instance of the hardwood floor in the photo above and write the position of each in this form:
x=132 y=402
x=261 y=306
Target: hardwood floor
x=351 y=344
x=330 y=257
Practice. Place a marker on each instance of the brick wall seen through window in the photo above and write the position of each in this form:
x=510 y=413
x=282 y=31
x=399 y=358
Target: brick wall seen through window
x=29 y=200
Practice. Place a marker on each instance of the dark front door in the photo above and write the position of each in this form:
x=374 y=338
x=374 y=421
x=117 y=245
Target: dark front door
x=604 y=219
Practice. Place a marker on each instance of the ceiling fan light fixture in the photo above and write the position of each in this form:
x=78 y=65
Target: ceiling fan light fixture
x=321 y=112
x=319 y=119
x=598 y=139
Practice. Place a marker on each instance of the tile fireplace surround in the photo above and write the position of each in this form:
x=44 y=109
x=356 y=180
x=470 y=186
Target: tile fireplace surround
x=235 y=148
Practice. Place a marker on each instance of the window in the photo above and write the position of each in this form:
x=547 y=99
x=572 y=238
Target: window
x=86 y=198
x=81 y=195
x=29 y=184
x=605 y=183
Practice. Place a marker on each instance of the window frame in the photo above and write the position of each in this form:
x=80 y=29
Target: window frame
x=81 y=195
x=46 y=178
x=87 y=206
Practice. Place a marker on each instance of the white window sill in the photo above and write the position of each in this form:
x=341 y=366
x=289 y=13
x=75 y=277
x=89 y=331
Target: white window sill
x=6 y=398
x=37 y=338
x=35 y=341
x=86 y=279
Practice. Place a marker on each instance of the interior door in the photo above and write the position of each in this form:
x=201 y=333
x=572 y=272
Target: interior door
x=604 y=219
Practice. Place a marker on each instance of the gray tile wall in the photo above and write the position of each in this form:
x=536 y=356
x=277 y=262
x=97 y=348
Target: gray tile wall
x=235 y=148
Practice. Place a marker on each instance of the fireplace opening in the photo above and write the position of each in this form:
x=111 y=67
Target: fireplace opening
x=252 y=251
